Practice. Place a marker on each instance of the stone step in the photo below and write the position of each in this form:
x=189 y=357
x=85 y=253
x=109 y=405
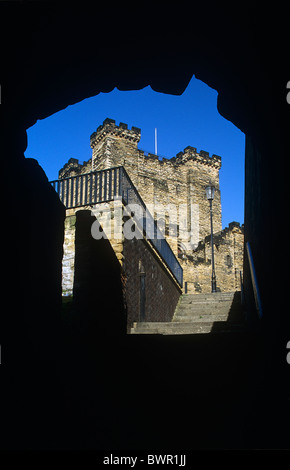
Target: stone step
x=201 y=313
x=193 y=301
x=151 y=324
x=174 y=325
x=207 y=317
x=195 y=312
x=196 y=305
x=202 y=297
x=208 y=306
x=220 y=303
x=171 y=328
x=211 y=296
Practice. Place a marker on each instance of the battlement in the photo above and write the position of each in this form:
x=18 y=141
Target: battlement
x=190 y=153
x=71 y=168
x=221 y=238
x=109 y=127
x=234 y=227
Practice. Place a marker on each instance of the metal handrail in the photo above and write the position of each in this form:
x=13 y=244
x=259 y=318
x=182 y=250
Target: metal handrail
x=254 y=279
x=103 y=186
x=131 y=195
x=87 y=189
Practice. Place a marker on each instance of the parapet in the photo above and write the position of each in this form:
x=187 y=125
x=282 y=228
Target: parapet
x=71 y=168
x=190 y=153
x=109 y=127
x=218 y=237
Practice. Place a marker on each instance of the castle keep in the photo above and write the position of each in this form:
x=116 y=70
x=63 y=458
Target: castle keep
x=174 y=192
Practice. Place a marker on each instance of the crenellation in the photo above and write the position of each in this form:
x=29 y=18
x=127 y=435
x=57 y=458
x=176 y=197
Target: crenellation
x=109 y=128
x=190 y=149
x=71 y=168
x=136 y=130
x=191 y=154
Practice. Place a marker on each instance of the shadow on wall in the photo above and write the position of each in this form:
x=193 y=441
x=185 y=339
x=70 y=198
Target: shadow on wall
x=98 y=305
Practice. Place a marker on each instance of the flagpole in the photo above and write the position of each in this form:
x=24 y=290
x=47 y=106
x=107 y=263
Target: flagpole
x=155 y=140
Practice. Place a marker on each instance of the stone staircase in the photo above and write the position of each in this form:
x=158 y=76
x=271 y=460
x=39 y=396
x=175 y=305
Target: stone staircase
x=220 y=312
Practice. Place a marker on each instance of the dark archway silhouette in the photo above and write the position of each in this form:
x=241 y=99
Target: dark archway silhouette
x=97 y=293
x=58 y=54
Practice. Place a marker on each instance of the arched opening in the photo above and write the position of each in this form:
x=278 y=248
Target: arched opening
x=172 y=182
x=54 y=77
x=181 y=120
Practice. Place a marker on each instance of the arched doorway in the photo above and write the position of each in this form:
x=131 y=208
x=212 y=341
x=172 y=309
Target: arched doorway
x=60 y=68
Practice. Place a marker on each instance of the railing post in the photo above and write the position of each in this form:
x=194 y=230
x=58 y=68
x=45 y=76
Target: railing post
x=66 y=192
x=110 y=184
x=86 y=189
x=121 y=182
x=96 y=188
x=91 y=188
x=115 y=182
x=81 y=190
x=71 y=192
x=77 y=191
x=105 y=185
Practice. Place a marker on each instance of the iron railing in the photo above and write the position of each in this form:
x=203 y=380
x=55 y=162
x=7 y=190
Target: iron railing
x=89 y=188
x=105 y=185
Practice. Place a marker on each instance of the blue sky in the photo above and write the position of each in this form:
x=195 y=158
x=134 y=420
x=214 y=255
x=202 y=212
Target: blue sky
x=189 y=119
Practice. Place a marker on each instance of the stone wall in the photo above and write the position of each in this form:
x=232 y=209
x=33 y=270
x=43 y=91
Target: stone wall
x=68 y=261
x=161 y=290
x=135 y=256
x=228 y=257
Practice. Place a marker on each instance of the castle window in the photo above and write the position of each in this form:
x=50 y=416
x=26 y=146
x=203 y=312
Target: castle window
x=229 y=261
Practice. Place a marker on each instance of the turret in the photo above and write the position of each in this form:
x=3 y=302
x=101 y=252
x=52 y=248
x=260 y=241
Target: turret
x=111 y=143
